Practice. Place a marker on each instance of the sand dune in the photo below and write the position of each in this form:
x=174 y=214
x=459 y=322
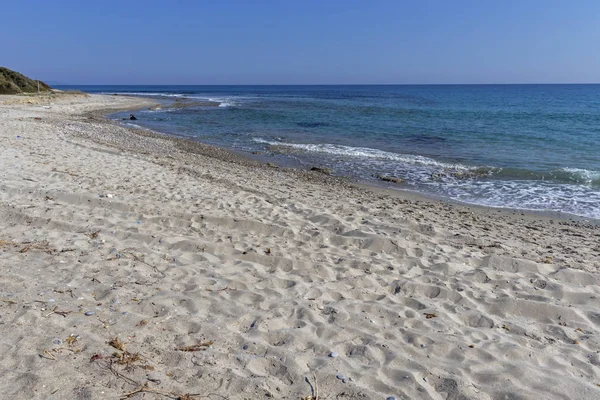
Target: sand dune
x=276 y=275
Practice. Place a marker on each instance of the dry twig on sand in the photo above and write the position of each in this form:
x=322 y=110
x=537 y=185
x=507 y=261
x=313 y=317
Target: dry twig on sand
x=196 y=347
x=56 y=311
x=145 y=388
x=315 y=390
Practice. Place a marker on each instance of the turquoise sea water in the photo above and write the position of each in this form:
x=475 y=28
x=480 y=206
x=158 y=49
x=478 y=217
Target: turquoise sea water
x=518 y=146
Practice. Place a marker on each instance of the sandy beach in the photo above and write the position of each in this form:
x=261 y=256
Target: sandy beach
x=134 y=265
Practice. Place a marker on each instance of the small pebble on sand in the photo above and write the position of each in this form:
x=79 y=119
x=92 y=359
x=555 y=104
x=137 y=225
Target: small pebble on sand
x=89 y=313
x=341 y=377
x=333 y=354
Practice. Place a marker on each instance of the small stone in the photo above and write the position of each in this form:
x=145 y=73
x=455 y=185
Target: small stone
x=391 y=179
x=333 y=354
x=322 y=170
x=57 y=342
x=245 y=347
x=391 y=398
x=89 y=313
x=344 y=380
x=341 y=377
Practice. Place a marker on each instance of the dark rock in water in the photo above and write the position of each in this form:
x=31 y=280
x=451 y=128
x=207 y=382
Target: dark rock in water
x=270 y=164
x=312 y=124
x=323 y=170
x=391 y=179
x=132 y=117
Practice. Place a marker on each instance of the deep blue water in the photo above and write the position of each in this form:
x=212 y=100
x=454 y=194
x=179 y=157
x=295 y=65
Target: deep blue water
x=519 y=146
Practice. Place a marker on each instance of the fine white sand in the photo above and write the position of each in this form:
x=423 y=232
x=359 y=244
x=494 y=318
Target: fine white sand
x=167 y=244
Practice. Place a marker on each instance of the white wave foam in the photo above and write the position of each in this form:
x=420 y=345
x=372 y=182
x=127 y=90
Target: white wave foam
x=145 y=94
x=584 y=174
x=132 y=125
x=527 y=195
x=223 y=101
x=364 y=152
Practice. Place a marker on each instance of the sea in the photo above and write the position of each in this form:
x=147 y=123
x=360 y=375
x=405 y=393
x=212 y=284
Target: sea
x=529 y=147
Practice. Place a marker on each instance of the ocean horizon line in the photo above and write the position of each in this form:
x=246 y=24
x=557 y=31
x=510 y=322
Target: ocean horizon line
x=329 y=84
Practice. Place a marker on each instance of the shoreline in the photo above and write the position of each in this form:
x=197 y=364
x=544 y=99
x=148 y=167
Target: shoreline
x=136 y=261
x=374 y=186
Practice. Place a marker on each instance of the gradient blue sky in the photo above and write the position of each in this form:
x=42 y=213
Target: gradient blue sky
x=303 y=42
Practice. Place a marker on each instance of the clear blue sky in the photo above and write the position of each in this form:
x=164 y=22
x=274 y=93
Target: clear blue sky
x=302 y=42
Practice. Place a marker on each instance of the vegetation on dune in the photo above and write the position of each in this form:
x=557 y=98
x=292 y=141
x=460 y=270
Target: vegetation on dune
x=12 y=82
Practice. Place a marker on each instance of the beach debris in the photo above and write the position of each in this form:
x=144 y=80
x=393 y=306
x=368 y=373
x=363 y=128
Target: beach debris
x=65 y=172
x=96 y=357
x=226 y=289
x=430 y=315
x=71 y=339
x=142 y=323
x=196 y=347
x=29 y=245
x=314 y=395
x=92 y=235
x=117 y=344
x=129 y=359
x=132 y=117
x=333 y=354
x=268 y=251
x=48 y=354
x=391 y=179
x=56 y=311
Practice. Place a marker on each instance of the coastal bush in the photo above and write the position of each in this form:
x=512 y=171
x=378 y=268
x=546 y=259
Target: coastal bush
x=12 y=82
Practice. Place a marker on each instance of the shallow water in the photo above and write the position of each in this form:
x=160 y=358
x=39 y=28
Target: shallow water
x=519 y=146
